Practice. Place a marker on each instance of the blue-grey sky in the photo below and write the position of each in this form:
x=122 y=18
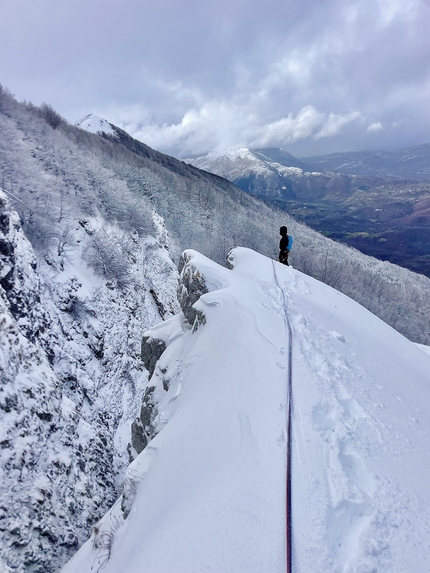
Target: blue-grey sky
x=191 y=76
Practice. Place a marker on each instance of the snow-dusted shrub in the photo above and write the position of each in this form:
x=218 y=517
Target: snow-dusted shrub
x=103 y=541
x=129 y=489
x=106 y=254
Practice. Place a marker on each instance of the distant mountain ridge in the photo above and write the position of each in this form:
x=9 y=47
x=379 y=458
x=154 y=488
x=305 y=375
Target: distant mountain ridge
x=268 y=174
x=408 y=163
x=242 y=161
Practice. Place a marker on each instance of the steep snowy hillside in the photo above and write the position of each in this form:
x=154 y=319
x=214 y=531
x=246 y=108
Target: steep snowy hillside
x=209 y=491
x=71 y=383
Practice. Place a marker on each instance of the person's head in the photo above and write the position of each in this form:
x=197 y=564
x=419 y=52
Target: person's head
x=283 y=231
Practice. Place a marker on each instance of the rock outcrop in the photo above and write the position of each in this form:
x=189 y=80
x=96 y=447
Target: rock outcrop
x=191 y=287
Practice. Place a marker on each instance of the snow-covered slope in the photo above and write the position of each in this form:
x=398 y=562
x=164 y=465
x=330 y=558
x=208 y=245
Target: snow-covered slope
x=95 y=124
x=208 y=492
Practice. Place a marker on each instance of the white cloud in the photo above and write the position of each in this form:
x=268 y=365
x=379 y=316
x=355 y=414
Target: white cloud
x=187 y=77
x=220 y=125
x=334 y=123
x=374 y=127
x=288 y=129
x=389 y=10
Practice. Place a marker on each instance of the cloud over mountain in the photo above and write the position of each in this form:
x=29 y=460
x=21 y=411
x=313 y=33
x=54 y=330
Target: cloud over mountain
x=193 y=77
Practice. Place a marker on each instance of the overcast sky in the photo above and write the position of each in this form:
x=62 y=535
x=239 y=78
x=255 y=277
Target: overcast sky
x=191 y=76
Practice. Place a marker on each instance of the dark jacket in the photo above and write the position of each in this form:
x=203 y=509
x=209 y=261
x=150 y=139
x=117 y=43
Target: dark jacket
x=283 y=243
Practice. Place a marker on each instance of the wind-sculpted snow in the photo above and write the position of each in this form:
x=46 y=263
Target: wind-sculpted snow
x=208 y=492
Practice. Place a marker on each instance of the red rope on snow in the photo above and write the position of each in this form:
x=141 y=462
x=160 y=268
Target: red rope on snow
x=289 y=450
x=289 y=555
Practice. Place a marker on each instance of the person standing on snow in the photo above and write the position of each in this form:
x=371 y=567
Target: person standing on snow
x=285 y=245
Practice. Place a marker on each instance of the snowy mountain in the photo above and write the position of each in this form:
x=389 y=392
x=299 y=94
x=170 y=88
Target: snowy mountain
x=209 y=491
x=91 y=230
x=95 y=124
x=241 y=162
x=265 y=173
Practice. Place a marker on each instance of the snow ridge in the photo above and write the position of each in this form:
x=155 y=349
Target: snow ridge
x=215 y=471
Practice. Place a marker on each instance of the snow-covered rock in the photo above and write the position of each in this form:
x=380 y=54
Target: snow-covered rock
x=208 y=492
x=192 y=285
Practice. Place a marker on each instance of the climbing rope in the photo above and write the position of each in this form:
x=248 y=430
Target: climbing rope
x=289 y=556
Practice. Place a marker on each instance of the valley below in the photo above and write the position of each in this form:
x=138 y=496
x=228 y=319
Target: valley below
x=389 y=220
x=376 y=203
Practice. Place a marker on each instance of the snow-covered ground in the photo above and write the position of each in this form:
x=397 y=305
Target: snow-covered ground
x=208 y=492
